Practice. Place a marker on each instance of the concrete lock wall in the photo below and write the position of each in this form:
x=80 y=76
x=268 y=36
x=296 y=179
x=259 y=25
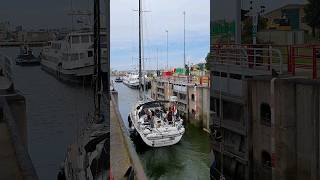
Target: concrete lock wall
x=307 y=115
x=199 y=106
x=296 y=112
x=197 y=100
x=259 y=132
x=17 y=103
x=285 y=130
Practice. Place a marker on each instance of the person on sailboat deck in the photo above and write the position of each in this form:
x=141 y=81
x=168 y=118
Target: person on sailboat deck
x=174 y=109
x=170 y=115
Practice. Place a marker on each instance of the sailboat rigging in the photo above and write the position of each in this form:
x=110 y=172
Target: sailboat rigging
x=92 y=148
x=157 y=123
x=97 y=62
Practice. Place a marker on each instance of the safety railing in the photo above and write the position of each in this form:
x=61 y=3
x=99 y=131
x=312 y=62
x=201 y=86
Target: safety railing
x=304 y=58
x=187 y=80
x=260 y=57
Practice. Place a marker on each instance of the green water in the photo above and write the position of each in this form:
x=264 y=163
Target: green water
x=189 y=159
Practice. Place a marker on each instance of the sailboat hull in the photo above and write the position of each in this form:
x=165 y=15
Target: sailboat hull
x=161 y=142
x=156 y=139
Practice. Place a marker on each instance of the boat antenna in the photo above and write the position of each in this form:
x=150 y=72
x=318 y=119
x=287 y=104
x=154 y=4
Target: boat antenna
x=140 y=49
x=71 y=4
x=97 y=62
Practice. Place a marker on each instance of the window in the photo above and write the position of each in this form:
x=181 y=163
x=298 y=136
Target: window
x=215 y=106
x=65 y=57
x=183 y=96
x=74 y=57
x=223 y=74
x=90 y=53
x=235 y=76
x=103 y=39
x=75 y=39
x=265 y=114
x=82 y=55
x=232 y=111
x=85 y=39
x=216 y=73
x=265 y=159
x=192 y=97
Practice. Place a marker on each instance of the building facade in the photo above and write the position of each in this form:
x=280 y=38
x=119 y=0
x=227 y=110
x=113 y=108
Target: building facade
x=264 y=113
x=192 y=99
x=288 y=17
x=285 y=117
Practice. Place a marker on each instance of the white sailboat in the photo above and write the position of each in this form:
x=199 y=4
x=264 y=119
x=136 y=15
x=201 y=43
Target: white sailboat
x=157 y=122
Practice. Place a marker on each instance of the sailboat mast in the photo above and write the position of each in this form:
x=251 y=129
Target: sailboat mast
x=97 y=60
x=140 y=49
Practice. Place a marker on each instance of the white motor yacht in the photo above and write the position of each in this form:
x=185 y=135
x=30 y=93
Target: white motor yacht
x=71 y=59
x=131 y=80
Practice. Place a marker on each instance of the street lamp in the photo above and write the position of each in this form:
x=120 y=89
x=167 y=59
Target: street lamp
x=167 y=49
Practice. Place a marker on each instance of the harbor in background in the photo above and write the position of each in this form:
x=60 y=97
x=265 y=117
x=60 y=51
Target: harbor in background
x=55 y=112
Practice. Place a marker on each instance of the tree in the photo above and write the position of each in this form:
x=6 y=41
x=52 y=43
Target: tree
x=247 y=28
x=207 y=66
x=312 y=16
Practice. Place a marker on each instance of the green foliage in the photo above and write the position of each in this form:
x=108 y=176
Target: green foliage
x=247 y=28
x=312 y=16
x=207 y=67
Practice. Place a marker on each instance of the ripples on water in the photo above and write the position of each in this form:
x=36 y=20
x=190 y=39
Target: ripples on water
x=55 y=111
x=189 y=159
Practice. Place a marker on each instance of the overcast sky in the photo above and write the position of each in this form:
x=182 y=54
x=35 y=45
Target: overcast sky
x=162 y=15
x=166 y=14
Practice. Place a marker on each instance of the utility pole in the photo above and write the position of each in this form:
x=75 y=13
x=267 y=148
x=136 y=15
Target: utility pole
x=157 y=61
x=255 y=11
x=107 y=79
x=167 y=49
x=184 y=39
x=238 y=22
x=97 y=59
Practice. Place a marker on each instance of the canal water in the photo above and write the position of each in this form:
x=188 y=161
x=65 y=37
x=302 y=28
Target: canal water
x=189 y=159
x=55 y=113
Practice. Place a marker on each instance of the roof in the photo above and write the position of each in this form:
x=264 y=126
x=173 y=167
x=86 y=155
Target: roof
x=288 y=6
